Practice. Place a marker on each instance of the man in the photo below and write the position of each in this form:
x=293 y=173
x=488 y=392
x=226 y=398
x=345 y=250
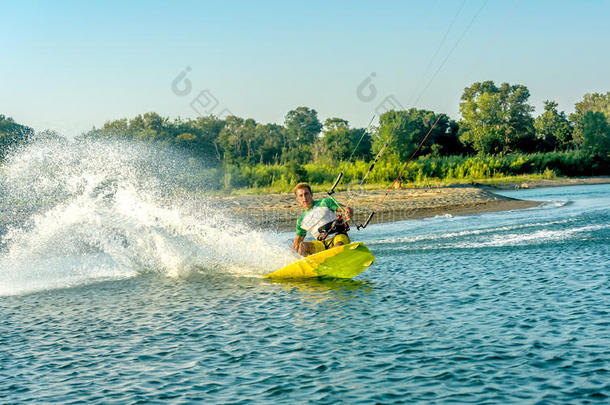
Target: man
x=322 y=219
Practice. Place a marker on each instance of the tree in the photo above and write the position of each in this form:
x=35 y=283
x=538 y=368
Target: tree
x=49 y=135
x=553 y=129
x=595 y=102
x=151 y=127
x=238 y=140
x=496 y=119
x=110 y=129
x=118 y=128
x=270 y=138
x=302 y=126
x=362 y=150
x=335 y=124
x=339 y=142
x=406 y=130
x=596 y=134
x=445 y=141
x=12 y=134
x=200 y=136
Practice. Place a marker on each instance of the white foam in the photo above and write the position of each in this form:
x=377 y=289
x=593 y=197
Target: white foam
x=553 y=204
x=443 y=216
x=544 y=235
x=105 y=210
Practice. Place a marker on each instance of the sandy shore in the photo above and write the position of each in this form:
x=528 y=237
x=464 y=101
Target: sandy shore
x=280 y=211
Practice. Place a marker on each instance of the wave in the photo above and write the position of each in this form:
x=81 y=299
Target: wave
x=554 y=204
x=499 y=239
x=466 y=233
x=544 y=235
x=100 y=210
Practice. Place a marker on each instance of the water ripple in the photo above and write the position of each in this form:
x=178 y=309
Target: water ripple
x=432 y=322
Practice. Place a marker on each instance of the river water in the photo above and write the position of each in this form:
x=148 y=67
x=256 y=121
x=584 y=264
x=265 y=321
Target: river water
x=107 y=296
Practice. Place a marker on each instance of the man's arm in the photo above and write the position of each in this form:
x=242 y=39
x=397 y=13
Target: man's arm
x=297 y=245
x=346 y=212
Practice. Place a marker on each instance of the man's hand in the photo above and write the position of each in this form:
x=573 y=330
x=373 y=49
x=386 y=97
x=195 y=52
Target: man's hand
x=302 y=249
x=297 y=245
x=347 y=214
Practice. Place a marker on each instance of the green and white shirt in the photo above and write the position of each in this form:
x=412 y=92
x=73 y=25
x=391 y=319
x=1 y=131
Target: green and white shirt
x=320 y=213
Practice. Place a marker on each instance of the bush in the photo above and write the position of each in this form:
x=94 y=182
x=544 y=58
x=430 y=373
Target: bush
x=422 y=170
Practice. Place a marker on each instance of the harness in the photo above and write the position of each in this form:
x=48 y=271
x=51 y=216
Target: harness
x=338 y=226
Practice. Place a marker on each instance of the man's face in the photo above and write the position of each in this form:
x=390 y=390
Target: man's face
x=304 y=198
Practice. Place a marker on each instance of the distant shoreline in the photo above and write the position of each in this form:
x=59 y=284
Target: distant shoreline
x=280 y=211
x=560 y=182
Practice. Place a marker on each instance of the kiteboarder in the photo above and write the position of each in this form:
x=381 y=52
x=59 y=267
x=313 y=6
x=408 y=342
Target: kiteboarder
x=325 y=220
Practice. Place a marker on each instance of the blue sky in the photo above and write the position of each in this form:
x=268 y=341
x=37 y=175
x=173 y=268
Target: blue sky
x=70 y=65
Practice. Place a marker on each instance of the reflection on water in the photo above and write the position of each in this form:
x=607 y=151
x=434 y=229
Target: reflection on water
x=318 y=290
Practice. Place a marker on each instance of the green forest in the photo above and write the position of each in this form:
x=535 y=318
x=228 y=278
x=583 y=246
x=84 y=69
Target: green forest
x=496 y=137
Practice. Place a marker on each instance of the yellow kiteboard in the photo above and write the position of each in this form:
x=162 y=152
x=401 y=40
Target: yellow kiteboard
x=345 y=261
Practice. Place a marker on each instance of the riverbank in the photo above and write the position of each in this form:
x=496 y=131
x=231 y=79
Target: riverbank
x=557 y=182
x=279 y=211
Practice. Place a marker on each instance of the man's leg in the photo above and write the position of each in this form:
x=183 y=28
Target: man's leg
x=340 y=239
x=312 y=247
